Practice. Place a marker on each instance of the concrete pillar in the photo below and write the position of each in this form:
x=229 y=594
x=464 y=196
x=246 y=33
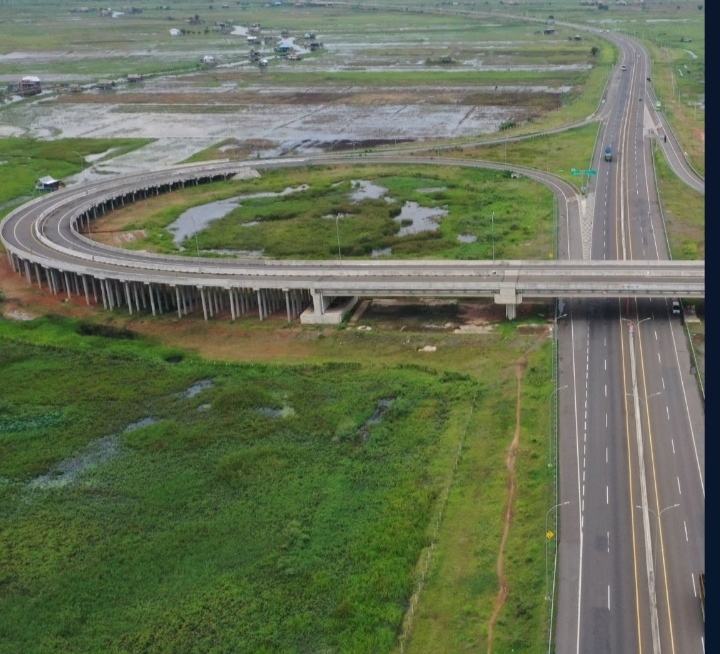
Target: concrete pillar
x=102 y=290
x=85 y=288
x=39 y=278
x=128 y=299
x=109 y=294
x=204 y=302
x=28 y=275
x=67 y=284
x=135 y=293
x=232 y=304
x=318 y=303
x=177 y=298
x=152 y=299
x=94 y=287
x=287 y=305
x=260 y=305
x=511 y=311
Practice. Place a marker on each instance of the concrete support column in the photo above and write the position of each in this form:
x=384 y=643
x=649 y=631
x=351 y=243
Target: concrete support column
x=104 y=298
x=28 y=275
x=85 y=288
x=260 y=304
x=204 y=303
x=135 y=293
x=511 y=311
x=51 y=281
x=232 y=304
x=67 y=285
x=93 y=281
x=109 y=294
x=287 y=304
x=127 y=297
x=152 y=299
x=318 y=303
x=37 y=274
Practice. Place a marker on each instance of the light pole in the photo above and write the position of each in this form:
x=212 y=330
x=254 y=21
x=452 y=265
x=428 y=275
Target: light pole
x=337 y=231
x=550 y=416
x=82 y=163
x=549 y=536
x=492 y=231
x=657 y=529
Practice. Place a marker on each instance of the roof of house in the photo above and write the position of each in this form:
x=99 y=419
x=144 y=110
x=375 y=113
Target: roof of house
x=47 y=180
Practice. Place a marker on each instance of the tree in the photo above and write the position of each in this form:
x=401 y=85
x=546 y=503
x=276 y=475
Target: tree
x=594 y=51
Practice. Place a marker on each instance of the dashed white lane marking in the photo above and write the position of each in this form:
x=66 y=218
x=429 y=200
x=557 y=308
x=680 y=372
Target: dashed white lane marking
x=679 y=491
x=605 y=364
x=607 y=494
x=659 y=359
x=672 y=442
x=656 y=336
x=605 y=390
x=608 y=539
x=686 y=534
x=608 y=597
x=668 y=412
x=606 y=455
x=663 y=381
x=606 y=420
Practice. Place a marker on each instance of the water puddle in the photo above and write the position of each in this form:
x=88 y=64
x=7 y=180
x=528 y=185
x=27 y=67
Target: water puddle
x=96 y=453
x=364 y=190
x=376 y=418
x=196 y=219
x=422 y=219
x=285 y=412
x=467 y=238
x=196 y=388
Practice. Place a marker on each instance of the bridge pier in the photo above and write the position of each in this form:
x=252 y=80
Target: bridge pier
x=509 y=296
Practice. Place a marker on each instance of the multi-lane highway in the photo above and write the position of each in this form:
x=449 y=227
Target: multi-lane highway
x=632 y=456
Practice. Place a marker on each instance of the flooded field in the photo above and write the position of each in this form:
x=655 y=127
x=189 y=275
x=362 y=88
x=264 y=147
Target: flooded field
x=373 y=79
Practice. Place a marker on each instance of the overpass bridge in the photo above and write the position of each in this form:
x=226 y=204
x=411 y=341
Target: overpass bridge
x=44 y=241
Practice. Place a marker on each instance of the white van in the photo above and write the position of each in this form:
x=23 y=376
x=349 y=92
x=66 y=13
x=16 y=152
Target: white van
x=676 y=307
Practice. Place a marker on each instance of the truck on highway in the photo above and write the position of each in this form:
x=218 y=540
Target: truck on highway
x=608 y=153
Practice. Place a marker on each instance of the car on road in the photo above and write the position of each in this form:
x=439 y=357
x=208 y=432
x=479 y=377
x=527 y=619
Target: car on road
x=676 y=310
x=624 y=67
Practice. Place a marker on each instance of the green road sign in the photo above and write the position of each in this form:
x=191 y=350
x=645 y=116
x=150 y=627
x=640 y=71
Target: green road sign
x=576 y=172
x=590 y=172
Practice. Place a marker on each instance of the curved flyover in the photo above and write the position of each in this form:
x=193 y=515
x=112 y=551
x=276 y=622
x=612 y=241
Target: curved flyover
x=44 y=241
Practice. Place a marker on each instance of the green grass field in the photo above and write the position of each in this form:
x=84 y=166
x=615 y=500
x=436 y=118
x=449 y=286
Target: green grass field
x=263 y=514
x=515 y=216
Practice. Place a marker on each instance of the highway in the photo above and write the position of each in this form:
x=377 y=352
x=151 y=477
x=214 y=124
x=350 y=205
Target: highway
x=44 y=240
x=631 y=452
